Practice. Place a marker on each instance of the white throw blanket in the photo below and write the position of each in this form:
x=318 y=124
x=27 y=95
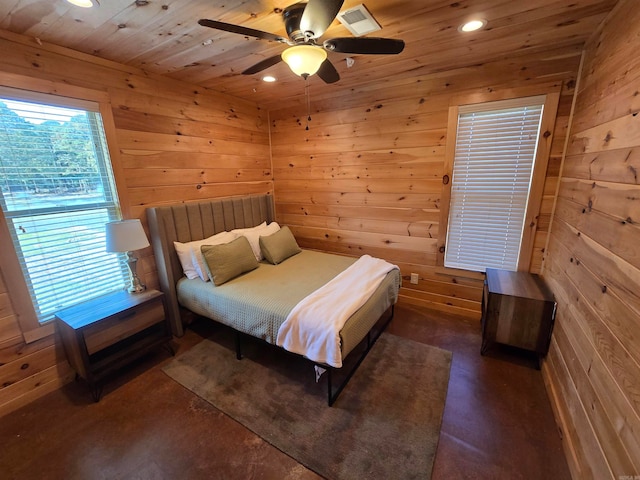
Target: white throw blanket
x=313 y=327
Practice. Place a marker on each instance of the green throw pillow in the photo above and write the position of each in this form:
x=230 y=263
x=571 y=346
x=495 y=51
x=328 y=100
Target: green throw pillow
x=225 y=262
x=276 y=248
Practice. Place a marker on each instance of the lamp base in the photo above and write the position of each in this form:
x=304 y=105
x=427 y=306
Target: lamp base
x=136 y=285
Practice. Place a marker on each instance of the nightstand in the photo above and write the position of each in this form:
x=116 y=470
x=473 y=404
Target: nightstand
x=518 y=310
x=104 y=334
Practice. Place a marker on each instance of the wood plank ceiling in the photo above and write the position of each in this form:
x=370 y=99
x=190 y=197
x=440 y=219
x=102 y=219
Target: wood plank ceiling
x=163 y=36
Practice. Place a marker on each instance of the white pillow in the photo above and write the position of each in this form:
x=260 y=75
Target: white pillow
x=253 y=235
x=186 y=257
x=196 y=253
x=242 y=231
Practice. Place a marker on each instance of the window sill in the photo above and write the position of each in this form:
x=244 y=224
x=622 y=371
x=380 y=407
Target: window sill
x=45 y=330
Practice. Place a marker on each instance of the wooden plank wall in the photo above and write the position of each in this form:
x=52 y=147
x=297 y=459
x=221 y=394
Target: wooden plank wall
x=367 y=175
x=593 y=264
x=175 y=142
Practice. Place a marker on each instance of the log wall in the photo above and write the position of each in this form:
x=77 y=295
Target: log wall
x=593 y=264
x=175 y=142
x=367 y=175
x=367 y=178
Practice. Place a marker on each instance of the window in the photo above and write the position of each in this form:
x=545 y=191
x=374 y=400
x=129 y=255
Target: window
x=495 y=153
x=57 y=193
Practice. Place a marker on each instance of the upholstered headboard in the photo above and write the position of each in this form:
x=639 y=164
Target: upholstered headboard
x=186 y=222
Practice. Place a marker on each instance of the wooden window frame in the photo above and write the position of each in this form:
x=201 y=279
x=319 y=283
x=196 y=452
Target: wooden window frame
x=28 y=88
x=539 y=168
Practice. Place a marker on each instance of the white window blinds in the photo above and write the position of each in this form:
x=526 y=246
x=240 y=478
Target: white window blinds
x=57 y=193
x=494 y=156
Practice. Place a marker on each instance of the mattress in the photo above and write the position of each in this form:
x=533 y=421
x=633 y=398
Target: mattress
x=258 y=302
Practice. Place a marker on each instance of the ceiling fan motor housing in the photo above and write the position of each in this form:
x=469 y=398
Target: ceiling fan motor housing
x=291 y=16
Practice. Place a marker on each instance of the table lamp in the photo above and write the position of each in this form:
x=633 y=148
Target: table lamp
x=126 y=236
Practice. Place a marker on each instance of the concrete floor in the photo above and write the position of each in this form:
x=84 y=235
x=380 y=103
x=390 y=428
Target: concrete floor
x=497 y=423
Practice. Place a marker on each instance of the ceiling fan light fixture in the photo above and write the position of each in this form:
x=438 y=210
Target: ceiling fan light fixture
x=473 y=25
x=304 y=60
x=269 y=78
x=84 y=3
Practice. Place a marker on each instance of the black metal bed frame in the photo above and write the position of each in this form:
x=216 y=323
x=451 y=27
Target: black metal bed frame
x=370 y=340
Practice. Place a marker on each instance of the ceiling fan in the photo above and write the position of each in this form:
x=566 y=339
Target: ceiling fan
x=305 y=23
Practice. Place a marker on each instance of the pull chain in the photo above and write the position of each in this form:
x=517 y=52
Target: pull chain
x=306 y=93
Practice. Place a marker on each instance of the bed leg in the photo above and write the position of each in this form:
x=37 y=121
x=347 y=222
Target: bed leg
x=330 y=398
x=238 y=346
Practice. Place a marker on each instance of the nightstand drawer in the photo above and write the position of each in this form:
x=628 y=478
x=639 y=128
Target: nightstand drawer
x=111 y=330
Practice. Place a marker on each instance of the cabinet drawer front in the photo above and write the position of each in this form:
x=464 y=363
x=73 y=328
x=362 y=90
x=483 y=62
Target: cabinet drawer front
x=111 y=330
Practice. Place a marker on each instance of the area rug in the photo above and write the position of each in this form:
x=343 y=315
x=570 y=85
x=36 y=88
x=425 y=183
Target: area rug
x=385 y=424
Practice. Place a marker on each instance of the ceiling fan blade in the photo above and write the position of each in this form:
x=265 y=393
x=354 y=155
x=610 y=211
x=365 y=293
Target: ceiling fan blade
x=262 y=65
x=328 y=72
x=318 y=15
x=365 y=45
x=249 y=32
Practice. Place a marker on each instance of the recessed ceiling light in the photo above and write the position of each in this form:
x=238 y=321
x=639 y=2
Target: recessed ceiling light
x=472 y=25
x=269 y=78
x=84 y=3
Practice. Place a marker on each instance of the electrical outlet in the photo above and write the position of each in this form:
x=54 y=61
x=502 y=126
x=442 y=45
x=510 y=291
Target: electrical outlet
x=414 y=278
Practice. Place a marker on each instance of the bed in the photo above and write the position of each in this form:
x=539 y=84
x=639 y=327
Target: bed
x=258 y=302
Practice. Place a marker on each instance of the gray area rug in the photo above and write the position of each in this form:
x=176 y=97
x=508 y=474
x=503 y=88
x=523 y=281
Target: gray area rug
x=385 y=424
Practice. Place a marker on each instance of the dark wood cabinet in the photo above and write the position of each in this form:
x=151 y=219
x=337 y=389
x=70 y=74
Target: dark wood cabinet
x=104 y=334
x=518 y=309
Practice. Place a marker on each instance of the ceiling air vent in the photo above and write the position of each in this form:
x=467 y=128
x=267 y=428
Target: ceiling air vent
x=358 y=21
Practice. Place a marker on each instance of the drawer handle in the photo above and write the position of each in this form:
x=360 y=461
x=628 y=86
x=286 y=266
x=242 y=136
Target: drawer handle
x=124 y=316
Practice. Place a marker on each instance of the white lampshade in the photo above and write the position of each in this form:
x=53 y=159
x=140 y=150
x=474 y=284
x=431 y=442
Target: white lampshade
x=304 y=60
x=125 y=236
